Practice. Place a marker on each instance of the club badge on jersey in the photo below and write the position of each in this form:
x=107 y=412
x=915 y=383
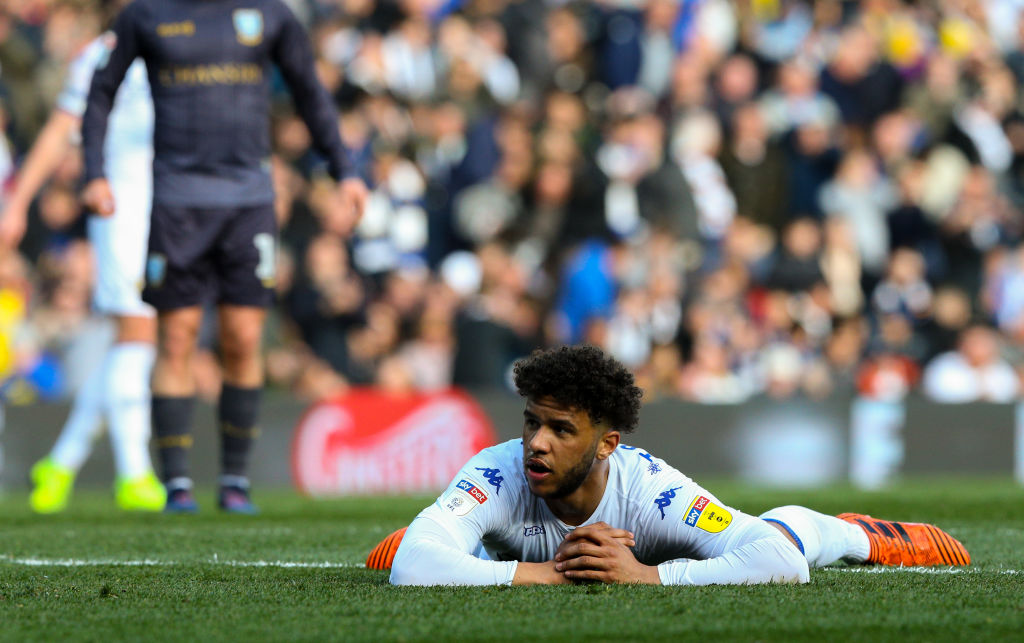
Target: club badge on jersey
x=156 y=270
x=248 y=26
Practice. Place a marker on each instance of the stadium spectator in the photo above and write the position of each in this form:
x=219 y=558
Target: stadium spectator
x=973 y=372
x=797 y=267
x=903 y=290
x=559 y=131
x=755 y=169
x=861 y=195
x=950 y=314
x=979 y=222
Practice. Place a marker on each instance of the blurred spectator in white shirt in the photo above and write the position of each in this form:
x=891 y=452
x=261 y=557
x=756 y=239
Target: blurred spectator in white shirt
x=973 y=372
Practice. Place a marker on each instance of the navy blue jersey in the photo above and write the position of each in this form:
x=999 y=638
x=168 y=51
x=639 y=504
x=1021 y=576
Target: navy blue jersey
x=209 y=64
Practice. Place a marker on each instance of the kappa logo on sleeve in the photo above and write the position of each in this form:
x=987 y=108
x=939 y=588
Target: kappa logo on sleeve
x=665 y=499
x=463 y=498
x=492 y=476
x=706 y=515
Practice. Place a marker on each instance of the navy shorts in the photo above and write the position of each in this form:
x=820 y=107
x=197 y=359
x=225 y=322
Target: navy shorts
x=222 y=255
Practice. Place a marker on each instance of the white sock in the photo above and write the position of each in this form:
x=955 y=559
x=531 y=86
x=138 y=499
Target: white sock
x=242 y=482
x=127 y=392
x=823 y=539
x=74 y=444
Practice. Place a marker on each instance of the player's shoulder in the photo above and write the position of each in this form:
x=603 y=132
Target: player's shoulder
x=641 y=468
x=72 y=98
x=91 y=55
x=141 y=9
x=491 y=479
x=503 y=452
x=272 y=8
x=138 y=15
x=498 y=467
x=643 y=478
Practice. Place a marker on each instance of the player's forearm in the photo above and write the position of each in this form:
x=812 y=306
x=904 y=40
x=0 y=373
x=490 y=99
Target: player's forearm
x=47 y=152
x=767 y=560
x=94 y=128
x=428 y=555
x=539 y=574
x=320 y=117
x=294 y=57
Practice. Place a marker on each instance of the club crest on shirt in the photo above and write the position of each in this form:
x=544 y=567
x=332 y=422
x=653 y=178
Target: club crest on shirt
x=706 y=515
x=156 y=270
x=248 y=26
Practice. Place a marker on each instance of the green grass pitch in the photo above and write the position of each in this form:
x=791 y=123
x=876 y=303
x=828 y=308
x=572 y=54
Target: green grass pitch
x=295 y=573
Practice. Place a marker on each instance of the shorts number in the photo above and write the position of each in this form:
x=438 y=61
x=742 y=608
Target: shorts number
x=266 y=269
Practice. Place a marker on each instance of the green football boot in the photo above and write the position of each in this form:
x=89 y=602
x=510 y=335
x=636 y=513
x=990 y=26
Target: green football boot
x=142 y=493
x=51 y=486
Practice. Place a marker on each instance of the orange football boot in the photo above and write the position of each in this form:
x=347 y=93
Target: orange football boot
x=384 y=553
x=908 y=543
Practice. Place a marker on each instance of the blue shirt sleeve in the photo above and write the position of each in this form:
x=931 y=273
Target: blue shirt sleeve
x=122 y=44
x=293 y=54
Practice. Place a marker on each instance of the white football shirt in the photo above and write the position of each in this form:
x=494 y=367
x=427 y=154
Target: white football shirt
x=678 y=525
x=119 y=241
x=129 y=141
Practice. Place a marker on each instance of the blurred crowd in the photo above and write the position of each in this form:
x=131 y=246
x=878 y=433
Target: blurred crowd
x=758 y=197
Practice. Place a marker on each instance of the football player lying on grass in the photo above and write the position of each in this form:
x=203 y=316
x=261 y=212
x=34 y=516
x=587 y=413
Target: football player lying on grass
x=570 y=503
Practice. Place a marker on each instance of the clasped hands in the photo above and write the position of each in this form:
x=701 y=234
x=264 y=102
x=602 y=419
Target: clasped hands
x=601 y=553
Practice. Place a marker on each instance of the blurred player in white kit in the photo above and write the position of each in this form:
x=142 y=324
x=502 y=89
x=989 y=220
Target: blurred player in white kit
x=118 y=390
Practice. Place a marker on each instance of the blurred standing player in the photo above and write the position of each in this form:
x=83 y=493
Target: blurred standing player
x=118 y=391
x=213 y=232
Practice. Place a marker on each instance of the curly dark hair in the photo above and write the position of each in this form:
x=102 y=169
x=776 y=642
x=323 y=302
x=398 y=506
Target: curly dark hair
x=582 y=377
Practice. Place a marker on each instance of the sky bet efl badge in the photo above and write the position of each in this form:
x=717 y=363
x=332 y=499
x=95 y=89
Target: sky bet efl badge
x=706 y=515
x=463 y=498
x=248 y=26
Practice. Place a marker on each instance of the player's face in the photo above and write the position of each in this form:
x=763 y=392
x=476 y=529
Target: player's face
x=560 y=446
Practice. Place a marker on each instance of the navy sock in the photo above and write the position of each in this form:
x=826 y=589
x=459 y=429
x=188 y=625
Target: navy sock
x=238 y=413
x=172 y=426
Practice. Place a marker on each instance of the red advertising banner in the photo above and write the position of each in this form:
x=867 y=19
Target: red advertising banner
x=369 y=442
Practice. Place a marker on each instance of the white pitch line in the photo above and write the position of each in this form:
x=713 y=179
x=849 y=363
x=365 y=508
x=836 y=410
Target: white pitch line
x=287 y=564
x=919 y=570
x=101 y=562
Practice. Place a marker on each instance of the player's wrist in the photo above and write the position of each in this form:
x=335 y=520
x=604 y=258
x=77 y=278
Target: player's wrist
x=650 y=575
x=664 y=575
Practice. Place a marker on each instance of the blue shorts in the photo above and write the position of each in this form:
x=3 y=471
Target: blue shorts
x=221 y=255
